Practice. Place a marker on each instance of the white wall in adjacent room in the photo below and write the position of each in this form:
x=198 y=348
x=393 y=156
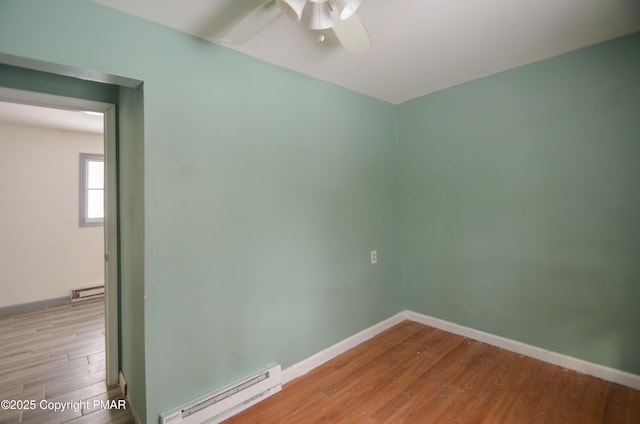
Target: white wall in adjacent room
x=44 y=253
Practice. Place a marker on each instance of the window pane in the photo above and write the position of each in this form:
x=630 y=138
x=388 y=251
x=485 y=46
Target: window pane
x=95 y=204
x=92 y=180
x=95 y=174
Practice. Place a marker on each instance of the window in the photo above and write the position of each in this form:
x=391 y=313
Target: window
x=91 y=190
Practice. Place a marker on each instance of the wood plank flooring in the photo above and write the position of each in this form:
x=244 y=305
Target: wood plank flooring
x=413 y=373
x=57 y=354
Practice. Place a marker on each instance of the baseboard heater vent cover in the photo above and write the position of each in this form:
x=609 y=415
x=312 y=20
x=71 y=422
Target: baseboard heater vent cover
x=87 y=293
x=228 y=401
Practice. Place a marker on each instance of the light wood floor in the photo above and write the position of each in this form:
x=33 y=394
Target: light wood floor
x=57 y=354
x=417 y=374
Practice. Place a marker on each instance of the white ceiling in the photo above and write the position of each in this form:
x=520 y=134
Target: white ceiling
x=419 y=46
x=57 y=119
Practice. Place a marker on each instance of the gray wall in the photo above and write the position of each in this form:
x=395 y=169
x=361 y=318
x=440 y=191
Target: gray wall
x=44 y=252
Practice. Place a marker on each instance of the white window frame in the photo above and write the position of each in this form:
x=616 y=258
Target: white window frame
x=85 y=221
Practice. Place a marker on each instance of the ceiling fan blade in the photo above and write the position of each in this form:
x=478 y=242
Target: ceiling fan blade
x=227 y=15
x=252 y=23
x=351 y=33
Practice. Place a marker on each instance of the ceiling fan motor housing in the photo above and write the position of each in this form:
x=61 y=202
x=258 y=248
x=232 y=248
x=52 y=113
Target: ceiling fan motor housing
x=318 y=14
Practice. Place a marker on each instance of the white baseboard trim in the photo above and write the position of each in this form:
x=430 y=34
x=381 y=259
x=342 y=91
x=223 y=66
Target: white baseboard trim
x=584 y=367
x=301 y=368
x=565 y=361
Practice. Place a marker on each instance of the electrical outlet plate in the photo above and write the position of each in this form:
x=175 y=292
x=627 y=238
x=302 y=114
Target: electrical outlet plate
x=374 y=257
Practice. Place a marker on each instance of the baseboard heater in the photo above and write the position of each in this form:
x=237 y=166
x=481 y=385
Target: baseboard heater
x=228 y=401
x=87 y=293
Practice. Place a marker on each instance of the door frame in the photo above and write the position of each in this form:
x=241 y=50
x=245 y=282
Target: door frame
x=111 y=207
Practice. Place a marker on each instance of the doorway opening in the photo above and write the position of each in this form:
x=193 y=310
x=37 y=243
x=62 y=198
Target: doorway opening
x=58 y=108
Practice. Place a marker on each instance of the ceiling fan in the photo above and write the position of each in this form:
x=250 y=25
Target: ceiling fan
x=317 y=15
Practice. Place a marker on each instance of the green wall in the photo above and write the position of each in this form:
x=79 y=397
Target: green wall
x=131 y=238
x=263 y=192
x=521 y=203
x=250 y=197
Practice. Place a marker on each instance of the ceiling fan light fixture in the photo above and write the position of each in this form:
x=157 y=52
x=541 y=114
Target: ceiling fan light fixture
x=317 y=16
x=292 y=8
x=346 y=8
